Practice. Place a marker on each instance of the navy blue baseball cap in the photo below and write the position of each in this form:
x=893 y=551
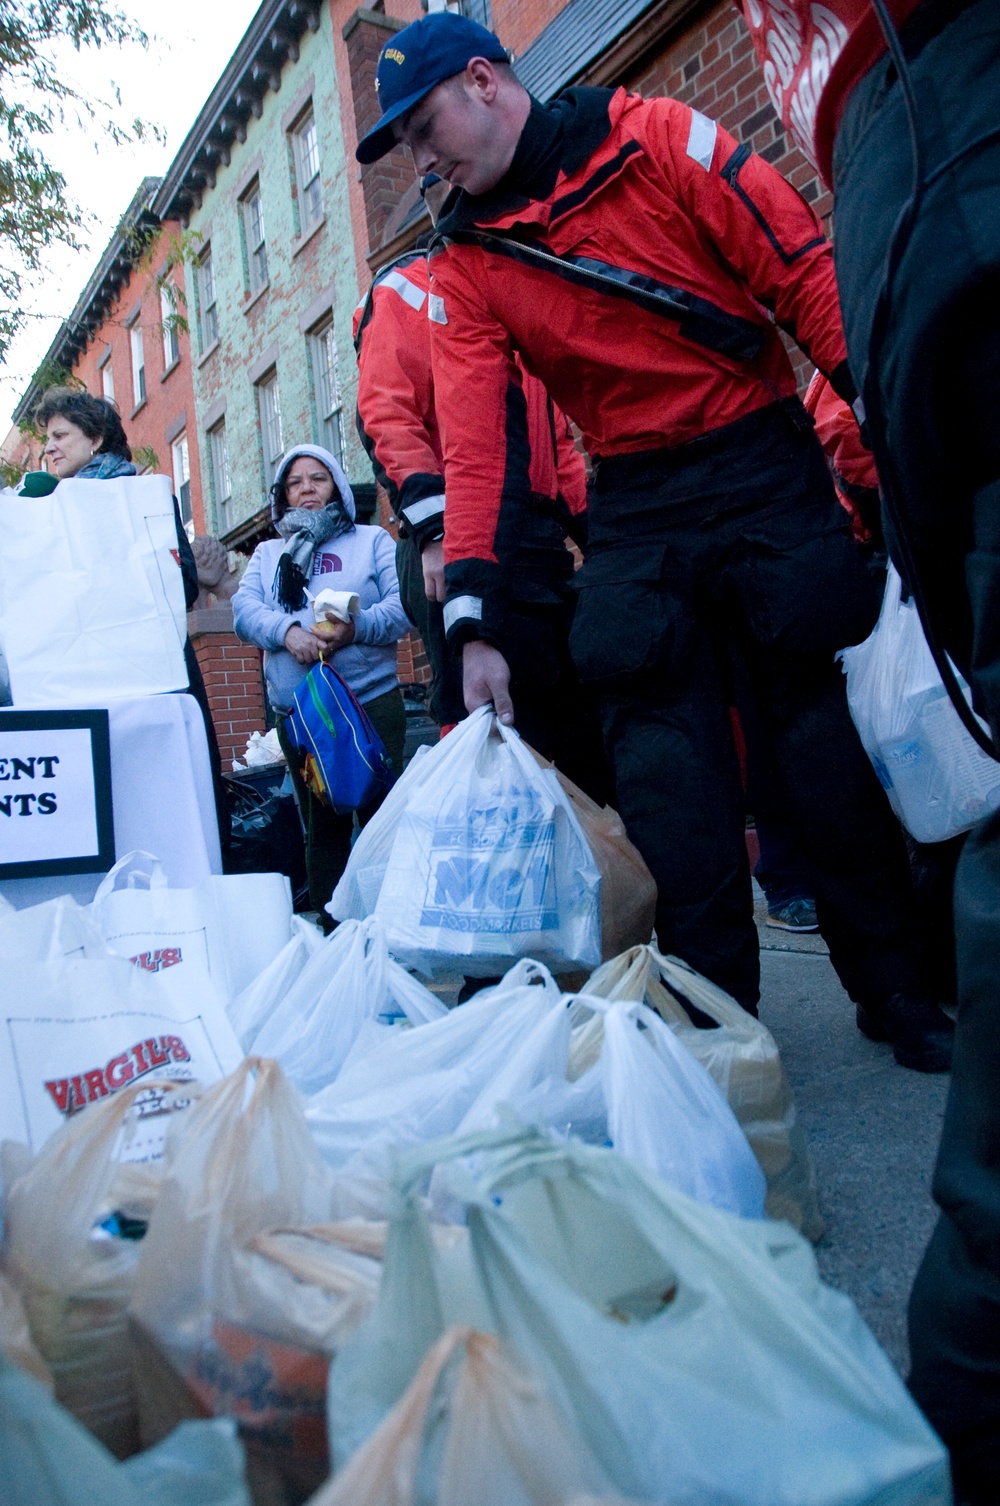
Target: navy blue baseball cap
x=415 y=61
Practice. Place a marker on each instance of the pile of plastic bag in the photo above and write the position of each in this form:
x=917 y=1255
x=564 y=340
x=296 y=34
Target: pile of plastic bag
x=279 y=1225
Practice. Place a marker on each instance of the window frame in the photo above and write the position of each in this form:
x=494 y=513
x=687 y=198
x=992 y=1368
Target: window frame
x=171 y=334
x=269 y=425
x=208 y=309
x=219 y=467
x=136 y=343
x=311 y=208
x=258 y=274
x=328 y=413
x=107 y=382
x=180 y=443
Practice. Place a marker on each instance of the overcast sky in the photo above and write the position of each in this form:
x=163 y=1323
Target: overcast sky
x=191 y=43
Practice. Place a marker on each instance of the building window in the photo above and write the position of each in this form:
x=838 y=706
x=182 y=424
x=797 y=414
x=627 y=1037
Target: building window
x=138 y=365
x=326 y=387
x=168 y=319
x=307 y=170
x=270 y=425
x=208 y=317
x=222 y=490
x=253 y=237
x=182 y=476
x=107 y=382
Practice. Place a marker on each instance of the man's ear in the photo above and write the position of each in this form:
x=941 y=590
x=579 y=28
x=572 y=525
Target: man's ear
x=482 y=79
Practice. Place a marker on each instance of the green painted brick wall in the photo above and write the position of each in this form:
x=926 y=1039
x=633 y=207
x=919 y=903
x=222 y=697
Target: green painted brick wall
x=309 y=277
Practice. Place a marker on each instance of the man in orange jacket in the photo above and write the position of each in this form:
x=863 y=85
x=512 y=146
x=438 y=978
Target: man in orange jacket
x=398 y=426
x=639 y=261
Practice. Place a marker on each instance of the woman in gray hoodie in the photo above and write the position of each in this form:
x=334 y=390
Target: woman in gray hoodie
x=321 y=546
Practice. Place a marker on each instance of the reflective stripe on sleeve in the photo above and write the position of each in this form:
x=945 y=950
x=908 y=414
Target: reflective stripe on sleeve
x=417 y=512
x=701 y=139
x=404 y=287
x=435 y=309
x=462 y=608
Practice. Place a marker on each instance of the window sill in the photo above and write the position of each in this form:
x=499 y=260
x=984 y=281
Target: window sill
x=171 y=368
x=139 y=407
x=248 y=304
x=304 y=240
x=206 y=354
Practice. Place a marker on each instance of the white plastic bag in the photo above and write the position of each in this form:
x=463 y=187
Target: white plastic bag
x=245 y=1335
x=349 y=980
x=232 y=925
x=698 y=1354
x=257 y=1002
x=48 y=1459
x=488 y=861
x=76 y=1032
x=644 y=1094
x=418 y=1086
x=505 y=1443
x=91 y=595
x=741 y=1055
x=73 y=1267
x=939 y=781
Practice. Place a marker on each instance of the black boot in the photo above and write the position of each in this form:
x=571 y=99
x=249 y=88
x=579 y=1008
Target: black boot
x=920 y=1032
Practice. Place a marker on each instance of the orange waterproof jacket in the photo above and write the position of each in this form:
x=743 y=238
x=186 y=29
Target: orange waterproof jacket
x=398 y=424
x=646 y=291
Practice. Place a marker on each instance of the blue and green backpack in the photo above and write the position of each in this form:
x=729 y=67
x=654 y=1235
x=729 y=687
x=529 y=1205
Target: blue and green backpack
x=342 y=759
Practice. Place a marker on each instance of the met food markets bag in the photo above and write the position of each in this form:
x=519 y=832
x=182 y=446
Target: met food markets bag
x=91 y=596
x=489 y=862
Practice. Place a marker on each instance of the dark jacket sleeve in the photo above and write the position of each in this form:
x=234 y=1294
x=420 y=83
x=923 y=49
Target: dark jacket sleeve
x=186 y=560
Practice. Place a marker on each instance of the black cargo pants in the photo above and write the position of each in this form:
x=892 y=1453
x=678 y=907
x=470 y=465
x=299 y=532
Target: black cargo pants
x=729 y=561
x=937 y=427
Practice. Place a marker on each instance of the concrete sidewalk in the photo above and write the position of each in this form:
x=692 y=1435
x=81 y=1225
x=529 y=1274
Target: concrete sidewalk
x=872 y=1127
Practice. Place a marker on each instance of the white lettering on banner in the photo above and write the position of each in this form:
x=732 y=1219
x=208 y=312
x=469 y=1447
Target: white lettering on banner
x=492 y=871
x=797 y=105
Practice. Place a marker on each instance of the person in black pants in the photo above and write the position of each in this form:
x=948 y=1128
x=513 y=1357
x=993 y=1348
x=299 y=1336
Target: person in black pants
x=928 y=352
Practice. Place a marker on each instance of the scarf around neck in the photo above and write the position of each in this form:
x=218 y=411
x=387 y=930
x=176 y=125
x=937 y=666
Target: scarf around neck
x=105 y=468
x=305 y=529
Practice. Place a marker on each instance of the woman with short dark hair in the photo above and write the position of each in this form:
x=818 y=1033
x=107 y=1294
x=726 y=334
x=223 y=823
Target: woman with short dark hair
x=85 y=437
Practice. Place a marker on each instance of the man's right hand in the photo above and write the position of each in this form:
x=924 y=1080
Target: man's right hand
x=302 y=645
x=432 y=560
x=486 y=678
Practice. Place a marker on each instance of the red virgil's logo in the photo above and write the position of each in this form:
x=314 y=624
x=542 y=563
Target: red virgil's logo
x=154 y=962
x=71 y=1093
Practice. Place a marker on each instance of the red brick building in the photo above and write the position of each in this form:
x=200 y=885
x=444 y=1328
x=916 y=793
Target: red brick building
x=127 y=340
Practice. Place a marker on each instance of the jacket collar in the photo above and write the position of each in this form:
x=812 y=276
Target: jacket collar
x=559 y=140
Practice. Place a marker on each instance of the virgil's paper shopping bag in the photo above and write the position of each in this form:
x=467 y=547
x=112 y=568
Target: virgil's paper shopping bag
x=76 y=1032
x=91 y=594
